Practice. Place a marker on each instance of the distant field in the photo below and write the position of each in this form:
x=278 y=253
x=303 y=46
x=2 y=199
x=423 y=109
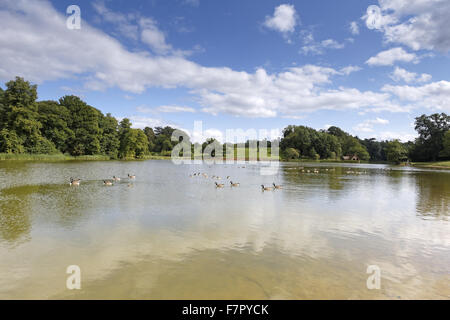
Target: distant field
x=439 y=164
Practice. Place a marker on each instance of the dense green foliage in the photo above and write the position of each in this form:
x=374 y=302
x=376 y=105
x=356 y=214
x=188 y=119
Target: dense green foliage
x=433 y=131
x=69 y=126
x=73 y=128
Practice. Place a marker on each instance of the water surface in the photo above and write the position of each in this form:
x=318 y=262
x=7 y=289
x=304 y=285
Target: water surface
x=169 y=236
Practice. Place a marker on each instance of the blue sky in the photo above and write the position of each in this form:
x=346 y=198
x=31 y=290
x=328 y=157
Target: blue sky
x=368 y=67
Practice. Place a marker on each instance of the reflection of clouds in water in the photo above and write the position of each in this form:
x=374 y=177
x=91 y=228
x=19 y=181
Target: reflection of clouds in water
x=304 y=223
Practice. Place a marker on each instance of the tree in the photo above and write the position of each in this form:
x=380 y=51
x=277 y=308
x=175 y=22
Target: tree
x=431 y=131
x=292 y=153
x=22 y=117
x=84 y=122
x=10 y=142
x=150 y=137
x=109 y=141
x=352 y=146
x=396 y=152
x=445 y=152
x=54 y=119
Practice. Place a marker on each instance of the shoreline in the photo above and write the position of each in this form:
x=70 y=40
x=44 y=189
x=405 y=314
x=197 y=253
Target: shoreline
x=61 y=157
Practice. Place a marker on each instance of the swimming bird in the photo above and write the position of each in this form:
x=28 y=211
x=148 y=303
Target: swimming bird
x=228 y=177
x=219 y=185
x=107 y=183
x=75 y=182
x=277 y=187
x=235 y=184
x=131 y=176
x=266 y=188
x=116 y=178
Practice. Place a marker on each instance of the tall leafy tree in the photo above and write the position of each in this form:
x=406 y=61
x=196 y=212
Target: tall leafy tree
x=84 y=122
x=396 y=152
x=54 y=118
x=109 y=141
x=445 y=152
x=431 y=131
x=21 y=116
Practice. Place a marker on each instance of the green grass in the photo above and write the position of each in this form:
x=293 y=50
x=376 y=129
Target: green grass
x=438 y=164
x=49 y=157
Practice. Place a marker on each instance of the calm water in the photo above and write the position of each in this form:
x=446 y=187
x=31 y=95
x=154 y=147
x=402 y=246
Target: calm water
x=167 y=235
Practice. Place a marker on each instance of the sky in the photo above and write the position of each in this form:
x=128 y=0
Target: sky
x=368 y=67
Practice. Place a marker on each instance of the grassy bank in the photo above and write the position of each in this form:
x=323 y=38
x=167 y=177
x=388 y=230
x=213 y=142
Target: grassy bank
x=433 y=165
x=49 y=157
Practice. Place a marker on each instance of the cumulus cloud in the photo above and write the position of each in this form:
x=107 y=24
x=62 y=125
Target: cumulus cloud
x=142 y=122
x=402 y=136
x=311 y=46
x=435 y=95
x=391 y=56
x=400 y=74
x=367 y=125
x=418 y=24
x=354 y=28
x=165 y=109
x=284 y=19
x=350 y=69
x=101 y=62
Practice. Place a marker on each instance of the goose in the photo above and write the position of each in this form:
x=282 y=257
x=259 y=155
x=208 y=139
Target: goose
x=219 y=185
x=107 y=183
x=277 y=187
x=228 y=177
x=266 y=188
x=235 y=184
x=75 y=182
x=131 y=176
x=116 y=178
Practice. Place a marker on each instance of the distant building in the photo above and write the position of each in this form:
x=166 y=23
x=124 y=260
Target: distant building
x=351 y=158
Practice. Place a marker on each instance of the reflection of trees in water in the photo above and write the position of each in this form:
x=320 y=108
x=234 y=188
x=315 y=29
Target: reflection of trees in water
x=15 y=221
x=329 y=183
x=433 y=195
x=19 y=206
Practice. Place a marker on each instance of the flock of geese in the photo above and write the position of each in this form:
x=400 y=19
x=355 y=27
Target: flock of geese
x=233 y=184
x=326 y=170
x=76 y=182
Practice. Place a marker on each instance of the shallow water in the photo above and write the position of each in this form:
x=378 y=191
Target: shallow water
x=168 y=236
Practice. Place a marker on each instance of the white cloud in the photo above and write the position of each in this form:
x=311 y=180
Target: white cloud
x=419 y=24
x=165 y=109
x=101 y=62
x=391 y=56
x=350 y=69
x=284 y=19
x=142 y=122
x=367 y=126
x=153 y=37
x=333 y=44
x=171 y=109
x=402 y=136
x=435 y=95
x=354 y=28
x=317 y=48
x=400 y=74
x=124 y=23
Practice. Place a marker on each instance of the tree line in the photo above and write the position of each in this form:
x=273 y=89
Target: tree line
x=71 y=126
x=433 y=143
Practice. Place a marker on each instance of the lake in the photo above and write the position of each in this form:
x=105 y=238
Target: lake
x=167 y=235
